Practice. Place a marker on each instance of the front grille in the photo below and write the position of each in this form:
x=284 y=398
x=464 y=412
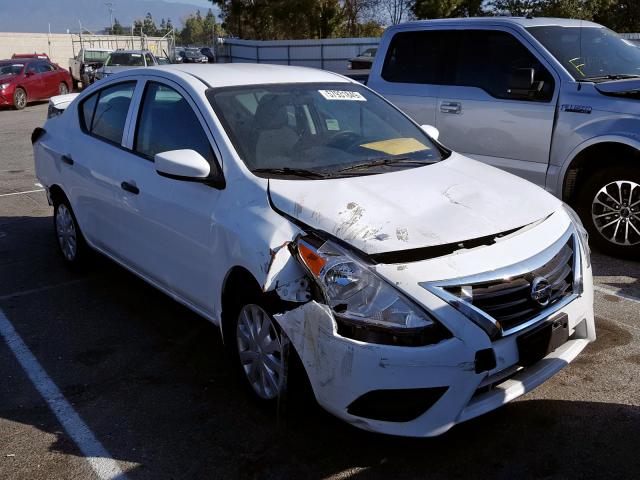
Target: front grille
x=510 y=302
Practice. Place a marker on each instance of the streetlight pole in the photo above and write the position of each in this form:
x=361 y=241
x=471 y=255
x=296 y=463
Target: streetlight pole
x=109 y=6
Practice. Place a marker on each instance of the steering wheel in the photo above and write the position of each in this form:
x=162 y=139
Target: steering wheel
x=345 y=139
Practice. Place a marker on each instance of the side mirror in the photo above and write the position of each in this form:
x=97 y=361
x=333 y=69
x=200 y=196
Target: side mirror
x=29 y=73
x=430 y=130
x=182 y=165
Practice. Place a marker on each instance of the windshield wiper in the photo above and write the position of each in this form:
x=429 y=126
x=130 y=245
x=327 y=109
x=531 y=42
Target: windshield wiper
x=296 y=172
x=621 y=76
x=382 y=162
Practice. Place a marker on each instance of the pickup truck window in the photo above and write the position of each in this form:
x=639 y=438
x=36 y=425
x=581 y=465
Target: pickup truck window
x=119 y=59
x=487 y=59
x=589 y=52
x=419 y=57
x=484 y=59
x=95 y=56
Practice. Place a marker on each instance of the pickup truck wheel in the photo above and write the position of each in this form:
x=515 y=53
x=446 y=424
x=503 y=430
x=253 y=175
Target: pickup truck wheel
x=609 y=205
x=69 y=238
x=19 y=99
x=63 y=89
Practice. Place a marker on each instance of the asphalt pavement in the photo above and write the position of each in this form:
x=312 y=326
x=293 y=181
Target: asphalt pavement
x=147 y=380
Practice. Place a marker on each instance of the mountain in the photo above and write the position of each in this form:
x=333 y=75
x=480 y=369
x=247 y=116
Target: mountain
x=35 y=15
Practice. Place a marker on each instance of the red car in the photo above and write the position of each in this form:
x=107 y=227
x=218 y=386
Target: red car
x=42 y=56
x=26 y=80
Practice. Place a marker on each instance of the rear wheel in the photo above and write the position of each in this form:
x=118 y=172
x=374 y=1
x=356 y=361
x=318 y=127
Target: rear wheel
x=19 y=99
x=63 y=89
x=69 y=238
x=609 y=205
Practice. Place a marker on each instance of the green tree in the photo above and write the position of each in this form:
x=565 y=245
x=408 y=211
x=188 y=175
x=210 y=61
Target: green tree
x=448 y=8
x=117 y=28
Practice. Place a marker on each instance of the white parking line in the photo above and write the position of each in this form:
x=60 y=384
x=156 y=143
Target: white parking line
x=21 y=193
x=606 y=291
x=101 y=462
x=42 y=289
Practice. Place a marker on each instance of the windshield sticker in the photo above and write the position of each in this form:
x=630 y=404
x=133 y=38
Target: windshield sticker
x=342 y=95
x=396 y=146
x=332 y=124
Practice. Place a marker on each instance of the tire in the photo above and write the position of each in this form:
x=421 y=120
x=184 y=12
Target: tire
x=71 y=243
x=63 y=89
x=609 y=205
x=258 y=352
x=19 y=99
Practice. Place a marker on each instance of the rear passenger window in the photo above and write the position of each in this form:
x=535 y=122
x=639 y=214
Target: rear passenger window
x=419 y=57
x=167 y=122
x=104 y=114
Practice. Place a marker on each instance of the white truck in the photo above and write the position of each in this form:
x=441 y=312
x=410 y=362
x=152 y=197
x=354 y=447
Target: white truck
x=555 y=101
x=84 y=65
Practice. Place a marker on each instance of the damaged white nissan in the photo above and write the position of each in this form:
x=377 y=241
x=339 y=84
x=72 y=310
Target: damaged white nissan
x=315 y=223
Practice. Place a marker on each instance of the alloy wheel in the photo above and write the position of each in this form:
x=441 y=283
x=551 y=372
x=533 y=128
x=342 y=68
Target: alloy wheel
x=260 y=351
x=66 y=231
x=615 y=211
x=20 y=99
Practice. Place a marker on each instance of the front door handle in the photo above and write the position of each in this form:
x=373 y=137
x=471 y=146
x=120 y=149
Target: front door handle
x=130 y=188
x=67 y=159
x=451 y=107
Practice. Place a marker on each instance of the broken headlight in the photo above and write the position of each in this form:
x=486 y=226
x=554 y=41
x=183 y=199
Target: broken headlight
x=361 y=300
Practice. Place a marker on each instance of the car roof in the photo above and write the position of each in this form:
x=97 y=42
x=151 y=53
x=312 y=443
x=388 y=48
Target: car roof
x=235 y=74
x=521 y=21
x=96 y=49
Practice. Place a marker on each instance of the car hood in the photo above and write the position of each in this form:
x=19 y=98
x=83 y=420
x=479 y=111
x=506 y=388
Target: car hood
x=628 y=88
x=449 y=202
x=110 y=69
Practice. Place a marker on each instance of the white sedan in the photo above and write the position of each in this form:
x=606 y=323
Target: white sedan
x=319 y=226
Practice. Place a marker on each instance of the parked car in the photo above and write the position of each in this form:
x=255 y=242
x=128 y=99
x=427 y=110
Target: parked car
x=163 y=61
x=124 y=60
x=41 y=56
x=362 y=61
x=554 y=101
x=193 y=55
x=327 y=234
x=26 y=80
x=83 y=67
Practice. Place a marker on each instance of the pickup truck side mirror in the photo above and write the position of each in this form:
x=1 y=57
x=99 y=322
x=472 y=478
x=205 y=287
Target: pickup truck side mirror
x=522 y=82
x=182 y=165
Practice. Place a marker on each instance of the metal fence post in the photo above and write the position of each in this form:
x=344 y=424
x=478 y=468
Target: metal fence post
x=321 y=55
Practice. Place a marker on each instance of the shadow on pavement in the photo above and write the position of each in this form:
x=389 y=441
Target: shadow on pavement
x=152 y=382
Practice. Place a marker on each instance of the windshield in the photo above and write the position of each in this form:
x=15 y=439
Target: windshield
x=95 y=56
x=589 y=51
x=125 y=60
x=11 y=68
x=321 y=129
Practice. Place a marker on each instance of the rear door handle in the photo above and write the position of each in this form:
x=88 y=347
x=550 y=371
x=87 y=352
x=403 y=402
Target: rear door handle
x=451 y=107
x=67 y=159
x=130 y=188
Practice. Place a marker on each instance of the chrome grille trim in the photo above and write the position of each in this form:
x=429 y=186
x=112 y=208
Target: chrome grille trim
x=536 y=262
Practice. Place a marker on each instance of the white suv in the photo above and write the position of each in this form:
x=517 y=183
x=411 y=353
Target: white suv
x=303 y=213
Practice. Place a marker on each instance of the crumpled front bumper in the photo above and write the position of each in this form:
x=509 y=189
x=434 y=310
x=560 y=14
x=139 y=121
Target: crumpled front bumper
x=341 y=370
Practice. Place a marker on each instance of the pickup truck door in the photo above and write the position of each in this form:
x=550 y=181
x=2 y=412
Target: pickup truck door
x=479 y=116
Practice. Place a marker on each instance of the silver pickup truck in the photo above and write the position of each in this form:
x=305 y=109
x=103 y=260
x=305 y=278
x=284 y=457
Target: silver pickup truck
x=555 y=101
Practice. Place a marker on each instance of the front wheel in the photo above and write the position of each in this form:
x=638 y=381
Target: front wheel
x=19 y=99
x=609 y=205
x=260 y=351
